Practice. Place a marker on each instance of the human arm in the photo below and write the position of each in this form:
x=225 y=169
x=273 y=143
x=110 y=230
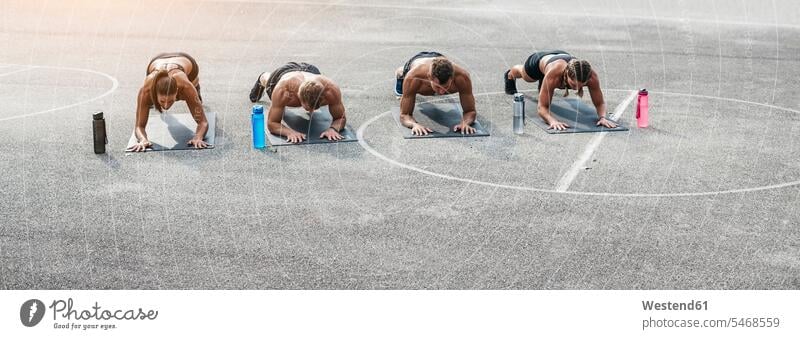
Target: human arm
x=407 y=101
x=198 y=113
x=467 y=105
x=142 y=113
x=599 y=101
x=549 y=84
x=337 y=110
x=275 y=118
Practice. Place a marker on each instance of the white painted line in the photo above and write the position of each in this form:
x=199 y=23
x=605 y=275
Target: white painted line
x=363 y=142
x=114 y=85
x=568 y=177
x=18 y=71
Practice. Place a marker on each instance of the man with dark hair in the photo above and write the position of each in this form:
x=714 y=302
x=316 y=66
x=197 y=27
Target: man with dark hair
x=431 y=73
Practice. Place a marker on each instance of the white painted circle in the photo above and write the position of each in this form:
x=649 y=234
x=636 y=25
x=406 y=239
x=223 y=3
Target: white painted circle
x=366 y=146
x=113 y=88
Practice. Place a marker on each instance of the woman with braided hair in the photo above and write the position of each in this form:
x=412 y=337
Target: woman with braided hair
x=170 y=77
x=558 y=69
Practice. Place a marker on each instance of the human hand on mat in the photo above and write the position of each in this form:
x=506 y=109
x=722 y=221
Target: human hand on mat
x=331 y=135
x=558 y=125
x=197 y=143
x=420 y=130
x=295 y=137
x=606 y=123
x=141 y=146
x=464 y=128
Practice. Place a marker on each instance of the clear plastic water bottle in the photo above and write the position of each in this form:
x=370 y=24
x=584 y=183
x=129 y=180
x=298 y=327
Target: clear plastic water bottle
x=257 y=119
x=99 y=133
x=519 y=113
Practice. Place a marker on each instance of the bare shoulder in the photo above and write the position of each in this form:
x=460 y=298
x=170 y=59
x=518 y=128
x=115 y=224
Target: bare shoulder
x=144 y=92
x=279 y=94
x=594 y=79
x=181 y=77
x=552 y=80
x=553 y=72
x=461 y=76
x=148 y=79
x=183 y=81
x=460 y=71
x=410 y=84
x=332 y=91
x=327 y=82
x=556 y=67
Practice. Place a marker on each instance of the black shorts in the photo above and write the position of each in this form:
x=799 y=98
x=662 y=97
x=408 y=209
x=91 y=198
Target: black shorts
x=532 y=64
x=407 y=66
x=275 y=76
x=195 y=69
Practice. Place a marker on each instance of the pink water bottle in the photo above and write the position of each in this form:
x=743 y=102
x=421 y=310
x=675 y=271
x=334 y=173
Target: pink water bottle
x=641 y=109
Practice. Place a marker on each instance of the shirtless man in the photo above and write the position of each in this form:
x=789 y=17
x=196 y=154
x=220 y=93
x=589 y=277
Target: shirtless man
x=296 y=85
x=558 y=69
x=431 y=73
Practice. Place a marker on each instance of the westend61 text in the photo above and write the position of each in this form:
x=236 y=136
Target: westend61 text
x=694 y=305
x=66 y=311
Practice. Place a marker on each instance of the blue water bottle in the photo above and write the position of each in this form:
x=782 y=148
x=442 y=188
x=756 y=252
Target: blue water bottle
x=257 y=118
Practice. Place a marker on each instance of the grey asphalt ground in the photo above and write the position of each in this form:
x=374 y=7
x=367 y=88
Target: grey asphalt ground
x=706 y=198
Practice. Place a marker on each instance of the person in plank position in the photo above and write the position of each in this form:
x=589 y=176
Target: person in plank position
x=170 y=77
x=431 y=73
x=558 y=69
x=299 y=85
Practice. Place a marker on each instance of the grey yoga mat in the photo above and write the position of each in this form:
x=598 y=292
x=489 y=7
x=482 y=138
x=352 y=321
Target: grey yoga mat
x=440 y=117
x=320 y=120
x=580 y=117
x=171 y=132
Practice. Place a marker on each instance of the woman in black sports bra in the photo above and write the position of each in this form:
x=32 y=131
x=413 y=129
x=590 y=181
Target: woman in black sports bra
x=558 y=69
x=170 y=77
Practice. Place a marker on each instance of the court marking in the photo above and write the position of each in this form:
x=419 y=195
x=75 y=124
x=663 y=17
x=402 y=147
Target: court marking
x=114 y=86
x=570 y=175
x=362 y=141
x=18 y=71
